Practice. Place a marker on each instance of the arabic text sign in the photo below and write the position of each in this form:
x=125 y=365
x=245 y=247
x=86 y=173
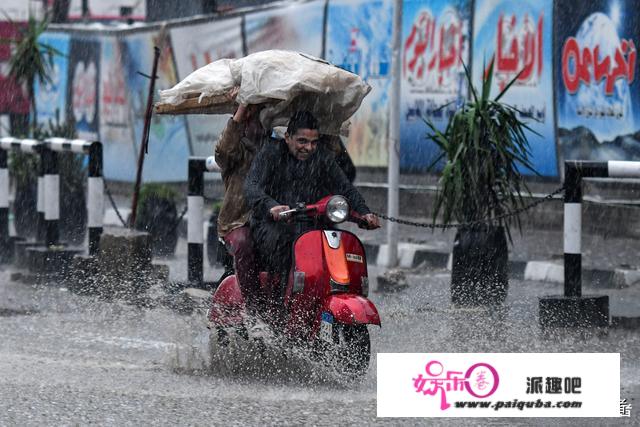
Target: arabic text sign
x=435 y=42
x=517 y=36
x=597 y=87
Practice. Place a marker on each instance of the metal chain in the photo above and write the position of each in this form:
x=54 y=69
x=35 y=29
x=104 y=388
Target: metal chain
x=472 y=223
x=113 y=203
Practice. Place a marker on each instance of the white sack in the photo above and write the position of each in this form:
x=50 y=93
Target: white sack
x=211 y=80
x=284 y=80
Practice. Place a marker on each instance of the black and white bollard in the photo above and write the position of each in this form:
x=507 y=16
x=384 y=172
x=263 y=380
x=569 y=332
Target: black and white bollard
x=5 y=241
x=11 y=144
x=51 y=196
x=574 y=309
x=195 y=220
x=95 y=184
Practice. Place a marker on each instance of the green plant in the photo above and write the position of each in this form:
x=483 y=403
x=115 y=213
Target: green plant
x=31 y=59
x=157 y=191
x=485 y=147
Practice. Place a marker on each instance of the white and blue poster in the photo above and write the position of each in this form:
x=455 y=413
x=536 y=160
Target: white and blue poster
x=83 y=86
x=168 y=153
x=597 y=85
x=116 y=132
x=297 y=27
x=358 y=39
x=517 y=36
x=216 y=40
x=51 y=97
x=435 y=46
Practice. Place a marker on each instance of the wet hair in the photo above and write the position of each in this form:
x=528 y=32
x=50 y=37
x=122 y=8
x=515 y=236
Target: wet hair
x=301 y=120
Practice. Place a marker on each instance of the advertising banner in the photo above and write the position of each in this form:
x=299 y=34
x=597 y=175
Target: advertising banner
x=435 y=42
x=51 y=97
x=215 y=40
x=108 y=9
x=13 y=99
x=358 y=39
x=517 y=35
x=296 y=27
x=116 y=132
x=168 y=140
x=82 y=86
x=597 y=70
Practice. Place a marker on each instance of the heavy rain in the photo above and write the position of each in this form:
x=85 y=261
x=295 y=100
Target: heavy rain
x=218 y=212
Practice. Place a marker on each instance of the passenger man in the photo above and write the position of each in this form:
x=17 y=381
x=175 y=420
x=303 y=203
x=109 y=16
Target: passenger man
x=234 y=153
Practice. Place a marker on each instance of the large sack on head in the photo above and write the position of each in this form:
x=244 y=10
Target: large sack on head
x=284 y=81
x=202 y=91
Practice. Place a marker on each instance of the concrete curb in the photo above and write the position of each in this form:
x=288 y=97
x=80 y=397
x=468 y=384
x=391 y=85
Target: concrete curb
x=412 y=255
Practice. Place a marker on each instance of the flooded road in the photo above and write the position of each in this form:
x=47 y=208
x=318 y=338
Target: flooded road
x=67 y=359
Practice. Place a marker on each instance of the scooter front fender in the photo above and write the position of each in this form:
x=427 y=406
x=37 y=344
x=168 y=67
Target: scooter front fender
x=352 y=309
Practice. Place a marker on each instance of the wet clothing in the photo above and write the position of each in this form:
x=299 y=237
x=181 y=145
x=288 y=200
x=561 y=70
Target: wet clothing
x=278 y=178
x=240 y=246
x=335 y=145
x=234 y=153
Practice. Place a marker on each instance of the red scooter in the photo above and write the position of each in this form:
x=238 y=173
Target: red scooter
x=324 y=305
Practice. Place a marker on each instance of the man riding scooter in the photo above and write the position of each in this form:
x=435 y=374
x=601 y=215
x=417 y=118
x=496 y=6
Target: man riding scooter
x=289 y=172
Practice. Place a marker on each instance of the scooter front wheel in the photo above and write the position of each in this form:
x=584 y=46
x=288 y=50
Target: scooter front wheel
x=351 y=351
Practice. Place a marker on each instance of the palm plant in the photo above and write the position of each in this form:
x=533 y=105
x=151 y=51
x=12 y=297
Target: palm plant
x=485 y=147
x=481 y=187
x=32 y=60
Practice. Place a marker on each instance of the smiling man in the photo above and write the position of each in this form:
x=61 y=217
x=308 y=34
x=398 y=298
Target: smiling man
x=293 y=171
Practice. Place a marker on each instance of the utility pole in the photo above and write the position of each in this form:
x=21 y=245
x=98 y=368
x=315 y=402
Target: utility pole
x=393 y=170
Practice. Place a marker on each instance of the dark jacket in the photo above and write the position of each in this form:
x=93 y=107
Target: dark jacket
x=278 y=178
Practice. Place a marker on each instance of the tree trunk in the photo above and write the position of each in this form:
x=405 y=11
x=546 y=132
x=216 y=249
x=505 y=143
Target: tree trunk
x=32 y=98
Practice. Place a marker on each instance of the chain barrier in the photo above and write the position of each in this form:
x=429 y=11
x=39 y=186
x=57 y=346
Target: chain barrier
x=472 y=224
x=113 y=203
x=124 y=223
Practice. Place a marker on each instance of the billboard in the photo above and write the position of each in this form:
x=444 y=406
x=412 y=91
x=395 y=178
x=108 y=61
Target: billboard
x=598 y=93
x=82 y=86
x=517 y=35
x=51 y=97
x=168 y=153
x=116 y=132
x=13 y=99
x=435 y=42
x=358 y=39
x=296 y=27
x=218 y=39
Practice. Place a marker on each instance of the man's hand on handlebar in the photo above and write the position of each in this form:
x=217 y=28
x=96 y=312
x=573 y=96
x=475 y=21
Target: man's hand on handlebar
x=370 y=222
x=275 y=212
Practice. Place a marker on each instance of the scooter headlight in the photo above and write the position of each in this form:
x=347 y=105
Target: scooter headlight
x=337 y=209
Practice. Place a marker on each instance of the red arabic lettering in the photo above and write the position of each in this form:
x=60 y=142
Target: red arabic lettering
x=580 y=65
x=431 y=51
x=519 y=50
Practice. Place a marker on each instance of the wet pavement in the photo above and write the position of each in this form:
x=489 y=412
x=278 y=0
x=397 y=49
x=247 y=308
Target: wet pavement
x=76 y=360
